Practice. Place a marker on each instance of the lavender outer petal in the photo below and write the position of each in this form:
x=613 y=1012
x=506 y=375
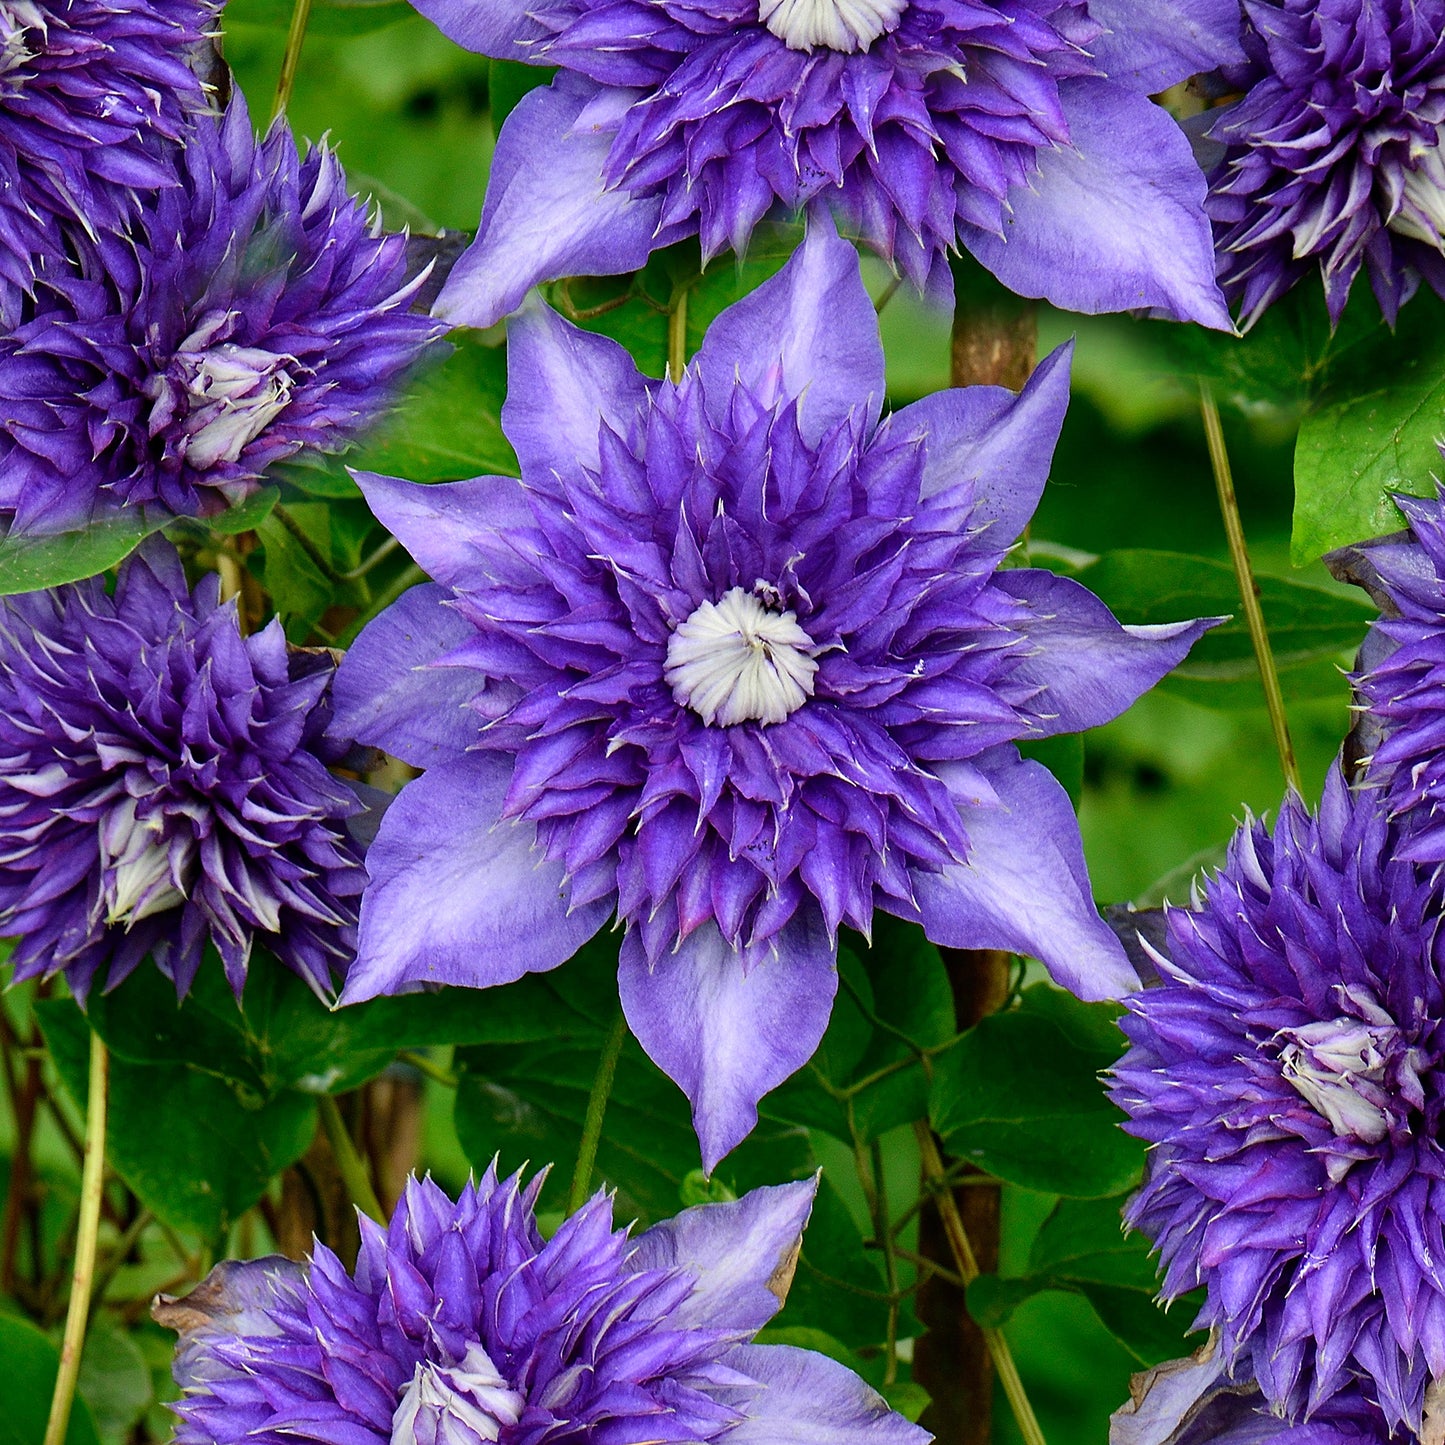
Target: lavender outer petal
x=1090 y=667
x=742 y=1252
x=1025 y=887
x=547 y=212
x=1153 y=44
x=724 y=1033
x=458 y=896
x=1113 y=222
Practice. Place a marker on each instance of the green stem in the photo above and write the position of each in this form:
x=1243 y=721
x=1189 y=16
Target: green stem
x=1248 y=587
x=429 y=1067
x=967 y=1263
x=291 y=60
x=596 y=1112
x=87 y=1233
x=348 y=1162
x=677 y=334
x=878 y=1199
x=323 y=563
x=409 y=576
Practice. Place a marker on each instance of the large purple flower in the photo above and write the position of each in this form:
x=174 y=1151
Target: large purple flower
x=462 y=1326
x=1403 y=677
x=735 y=661
x=1018 y=129
x=162 y=786
x=89 y=90
x=1288 y=1077
x=253 y=310
x=1334 y=159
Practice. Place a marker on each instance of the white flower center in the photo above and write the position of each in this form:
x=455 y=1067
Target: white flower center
x=141 y=873
x=17 y=21
x=1421 y=216
x=456 y=1404
x=735 y=661
x=845 y=25
x=1341 y=1067
x=220 y=398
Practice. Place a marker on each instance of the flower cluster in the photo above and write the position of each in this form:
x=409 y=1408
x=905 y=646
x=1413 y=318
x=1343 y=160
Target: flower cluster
x=163 y=785
x=250 y=311
x=90 y=92
x=460 y=1325
x=1020 y=130
x=735 y=661
x=1334 y=159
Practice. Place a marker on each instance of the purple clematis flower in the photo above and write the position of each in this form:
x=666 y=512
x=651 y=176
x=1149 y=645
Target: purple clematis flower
x=1335 y=157
x=251 y=311
x=1194 y=1401
x=1403 y=677
x=163 y=785
x=1020 y=130
x=461 y=1326
x=89 y=91
x=1288 y=1078
x=734 y=661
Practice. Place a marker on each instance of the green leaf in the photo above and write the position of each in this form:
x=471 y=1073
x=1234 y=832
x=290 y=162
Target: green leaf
x=245 y=516
x=198 y=1150
x=1312 y=629
x=1372 y=431
x=115 y=1380
x=29 y=564
x=328 y=17
x=26 y=1383
x=447 y=427
x=1019 y=1096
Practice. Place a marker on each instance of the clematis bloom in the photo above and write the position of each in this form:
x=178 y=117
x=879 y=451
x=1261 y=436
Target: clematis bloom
x=90 y=92
x=734 y=661
x=251 y=311
x=1334 y=158
x=460 y=1325
x=164 y=785
x=1288 y=1078
x=1019 y=130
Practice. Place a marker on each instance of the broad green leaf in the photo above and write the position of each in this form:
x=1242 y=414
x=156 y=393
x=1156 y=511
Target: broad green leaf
x=1312 y=629
x=198 y=1150
x=1372 y=431
x=1019 y=1097
x=867 y=1076
x=115 y=1380
x=1081 y=1248
x=447 y=425
x=289 y=572
x=26 y=1383
x=245 y=516
x=28 y=564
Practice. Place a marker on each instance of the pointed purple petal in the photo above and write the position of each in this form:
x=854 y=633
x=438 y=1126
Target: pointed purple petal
x=498 y=28
x=437 y=521
x=1025 y=887
x=547 y=212
x=1113 y=222
x=743 y=1254
x=1091 y=667
x=726 y=1037
x=809 y=329
x=809 y=1399
x=1153 y=44
x=457 y=896
x=562 y=385
x=387 y=696
x=1000 y=441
